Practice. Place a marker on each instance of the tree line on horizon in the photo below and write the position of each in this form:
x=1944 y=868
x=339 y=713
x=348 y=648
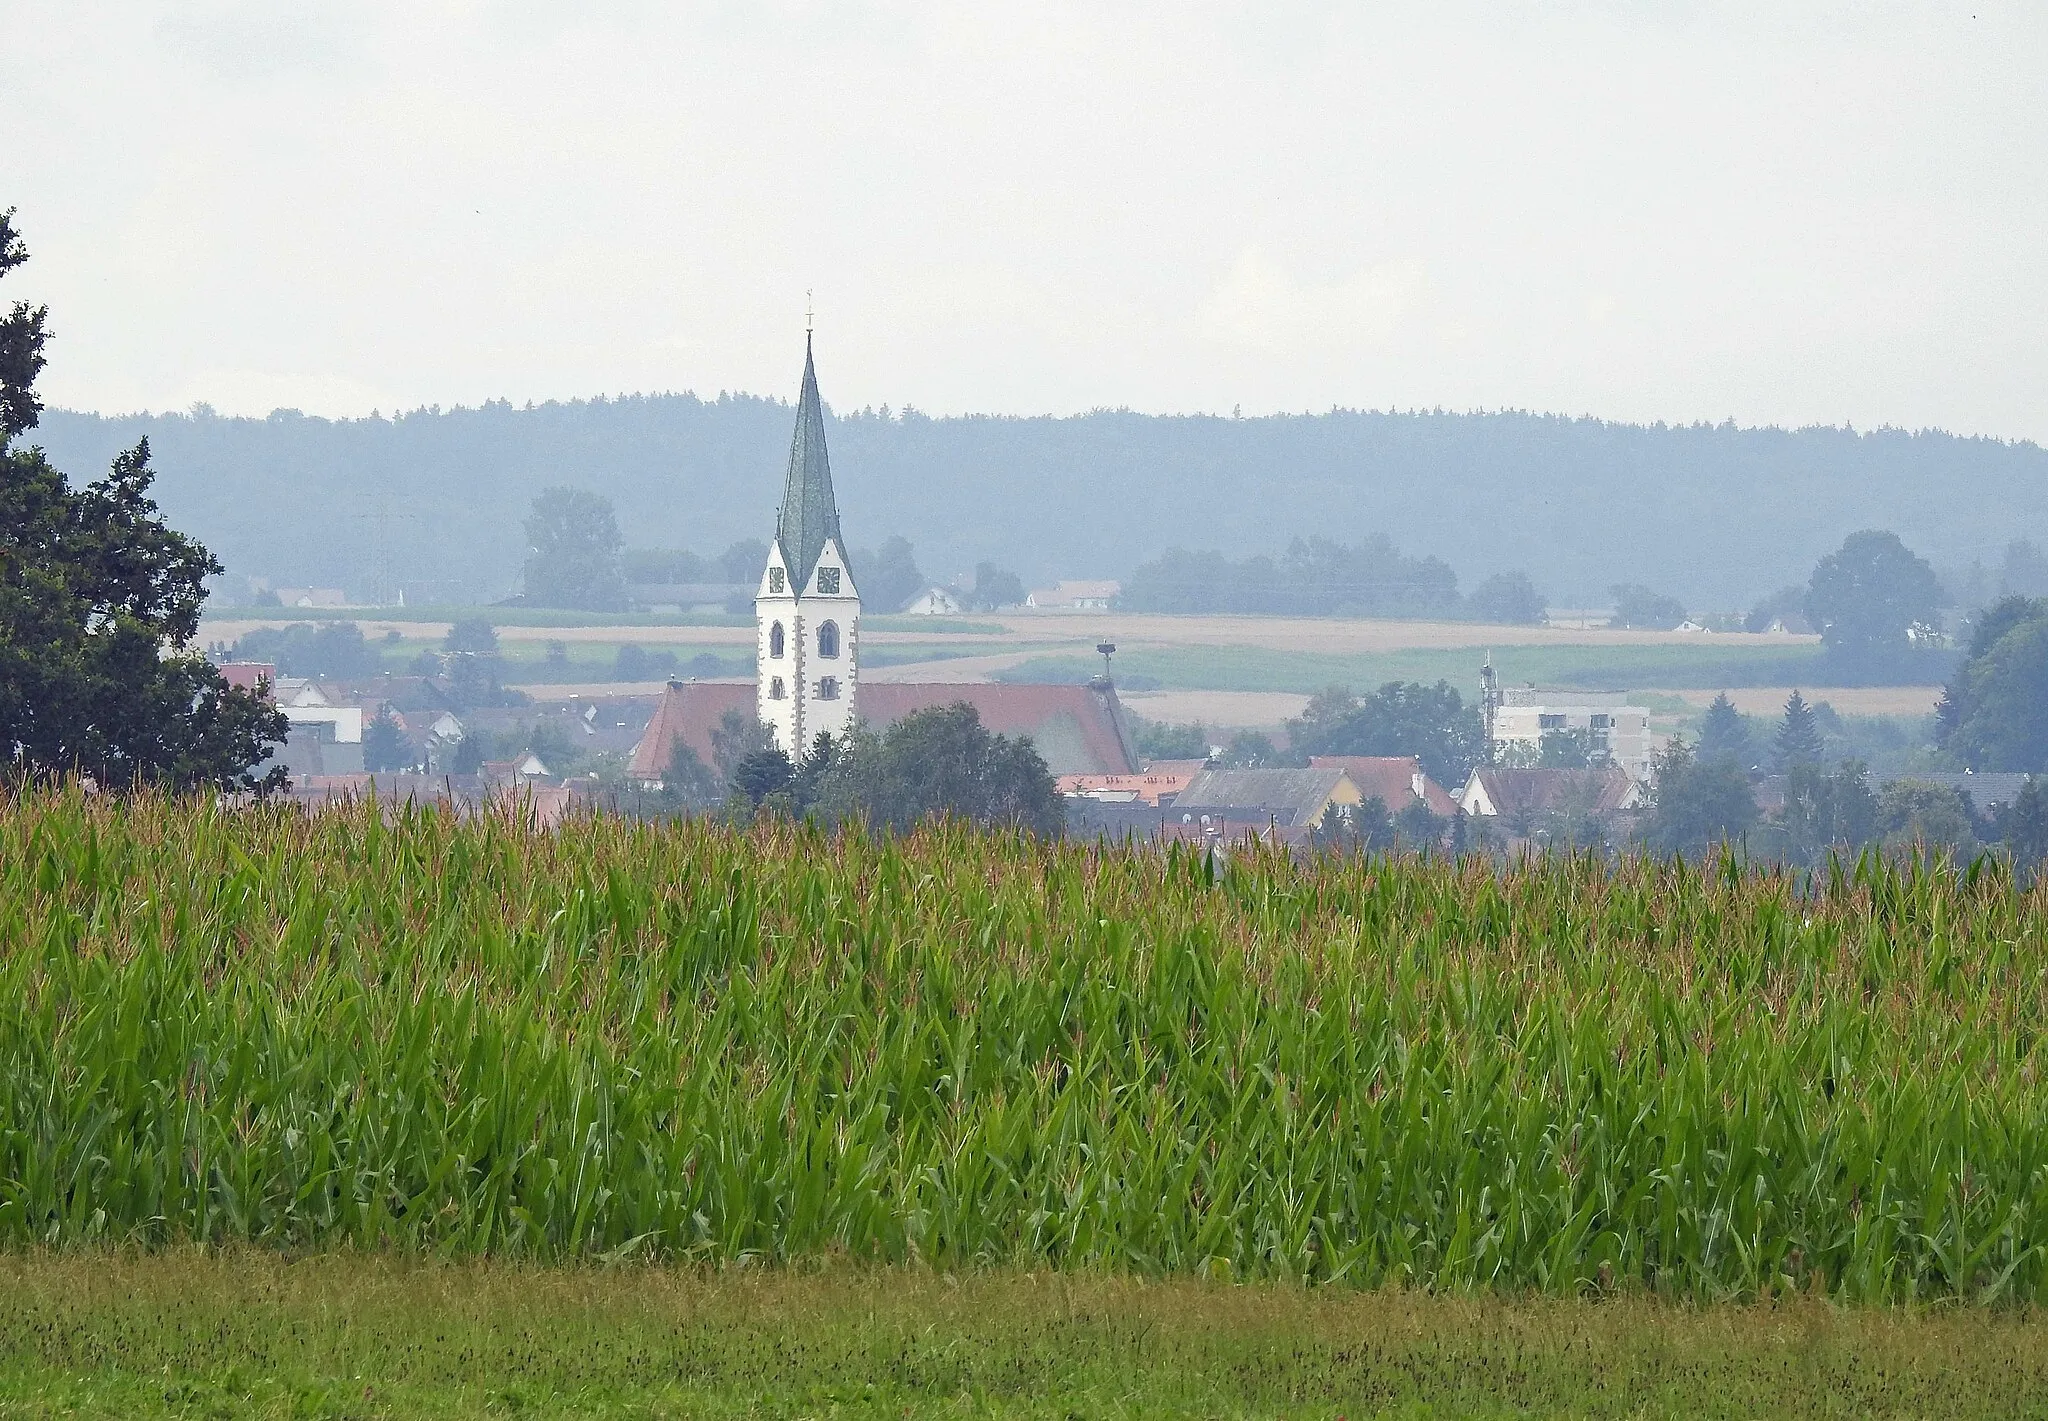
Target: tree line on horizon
x=1711 y=515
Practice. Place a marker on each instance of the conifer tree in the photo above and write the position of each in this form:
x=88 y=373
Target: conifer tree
x=1798 y=741
x=1724 y=734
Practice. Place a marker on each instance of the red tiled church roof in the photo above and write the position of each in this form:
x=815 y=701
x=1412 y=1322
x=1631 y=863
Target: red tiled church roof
x=1077 y=729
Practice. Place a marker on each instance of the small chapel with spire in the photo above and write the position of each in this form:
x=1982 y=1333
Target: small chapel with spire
x=807 y=610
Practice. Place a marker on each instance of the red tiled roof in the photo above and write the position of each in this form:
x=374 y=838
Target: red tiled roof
x=1148 y=785
x=1389 y=779
x=689 y=712
x=1075 y=728
x=248 y=675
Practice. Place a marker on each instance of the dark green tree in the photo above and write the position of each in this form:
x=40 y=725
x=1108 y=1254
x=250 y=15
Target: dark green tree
x=889 y=576
x=687 y=782
x=1872 y=599
x=1573 y=748
x=471 y=634
x=334 y=650
x=1697 y=802
x=1994 y=712
x=761 y=773
x=385 y=746
x=1785 y=603
x=1916 y=814
x=2023 y=825
x=1724 y=734
x=1250 y=750
x=940 y=761
x=1156 y=740
x=1826 y=812
x=994 y=587
x=663 y=566
x=744 y=562
x=1432 y=723
x=1418 y=825
x=1637 y=606
x=1799 y=739
x=2023 y=571
x=736 y=736
x=1509 y=598
x=99 y=603
x=475 y=679
x=573 y=547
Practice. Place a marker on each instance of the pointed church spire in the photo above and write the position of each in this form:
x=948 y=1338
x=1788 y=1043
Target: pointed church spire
x=810 y=514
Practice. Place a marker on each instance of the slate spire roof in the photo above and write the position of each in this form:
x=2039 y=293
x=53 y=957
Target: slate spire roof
x=809 y=514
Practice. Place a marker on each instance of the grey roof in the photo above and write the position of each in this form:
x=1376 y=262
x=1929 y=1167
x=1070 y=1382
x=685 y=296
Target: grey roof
x=1982 y=790
x=810 y=514
x=1291 y=796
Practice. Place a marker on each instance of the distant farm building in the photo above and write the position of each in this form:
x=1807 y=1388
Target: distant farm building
x=1075 y=596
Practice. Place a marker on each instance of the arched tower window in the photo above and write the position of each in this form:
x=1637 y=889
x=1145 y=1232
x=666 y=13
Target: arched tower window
x=775 y=641
x=828 y=639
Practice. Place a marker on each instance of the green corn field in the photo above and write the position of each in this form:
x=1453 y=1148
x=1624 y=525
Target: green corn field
x=684 y=1041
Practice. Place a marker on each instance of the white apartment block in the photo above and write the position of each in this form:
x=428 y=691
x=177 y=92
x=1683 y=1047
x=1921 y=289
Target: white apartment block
x=1623 y=730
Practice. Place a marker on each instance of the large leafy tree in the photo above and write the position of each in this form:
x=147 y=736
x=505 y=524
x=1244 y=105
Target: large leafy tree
x=99 y=603
x=1506 y=597
x=1994 y=713
x=889 y=576
x=1699 y=802
x=1872 y=598
x=573 y=552
x=1432 y=723
x=936 y=761
x=1638 y=606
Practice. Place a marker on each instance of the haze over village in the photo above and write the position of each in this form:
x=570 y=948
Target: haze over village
x=1585 y=547
x=860 y=659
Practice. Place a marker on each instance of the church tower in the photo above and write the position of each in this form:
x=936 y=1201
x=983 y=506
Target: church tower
x=806 y=611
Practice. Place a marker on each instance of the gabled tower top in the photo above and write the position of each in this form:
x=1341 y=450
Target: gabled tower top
x=810 y=513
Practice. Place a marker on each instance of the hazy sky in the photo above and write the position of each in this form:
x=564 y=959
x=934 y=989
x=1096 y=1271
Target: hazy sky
x=1784 y=211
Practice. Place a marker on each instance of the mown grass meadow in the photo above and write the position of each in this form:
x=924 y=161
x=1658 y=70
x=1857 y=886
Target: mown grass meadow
x=254 y=1332
x=968 y=1051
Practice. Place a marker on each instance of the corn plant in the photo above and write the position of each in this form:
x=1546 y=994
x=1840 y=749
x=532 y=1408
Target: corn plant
x=417 y=1032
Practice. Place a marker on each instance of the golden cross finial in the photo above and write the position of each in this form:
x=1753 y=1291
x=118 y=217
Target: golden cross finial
x=808 y=314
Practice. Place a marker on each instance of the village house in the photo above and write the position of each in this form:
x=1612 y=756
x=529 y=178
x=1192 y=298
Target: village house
x=933 y=602
x=1075 y=596
x=1518 y=796
x=1394 y=780
x=1286 y=799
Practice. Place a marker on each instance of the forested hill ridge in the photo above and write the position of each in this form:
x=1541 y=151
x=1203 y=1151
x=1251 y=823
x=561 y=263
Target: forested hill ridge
x=1716 y=514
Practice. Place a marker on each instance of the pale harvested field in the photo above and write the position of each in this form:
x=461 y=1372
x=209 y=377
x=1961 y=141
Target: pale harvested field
x=1226 y=710
x=1342 y=636
x=434 y=631
x=1847 y=700
x=959 y=669
x=590 y=690
x=1040 y=631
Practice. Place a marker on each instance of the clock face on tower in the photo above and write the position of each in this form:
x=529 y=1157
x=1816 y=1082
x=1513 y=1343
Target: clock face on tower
x=775 y=580
x=828 y=580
